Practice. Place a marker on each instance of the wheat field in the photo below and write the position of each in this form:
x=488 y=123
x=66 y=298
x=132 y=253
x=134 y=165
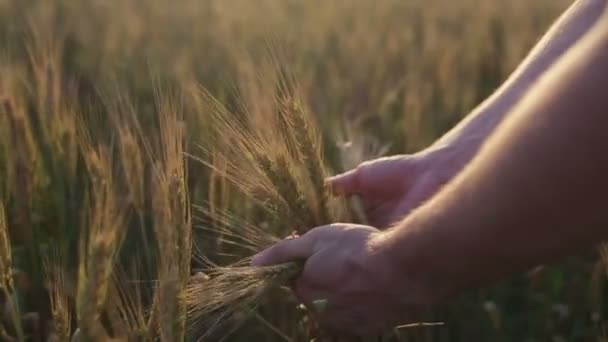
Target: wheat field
x=149 y=148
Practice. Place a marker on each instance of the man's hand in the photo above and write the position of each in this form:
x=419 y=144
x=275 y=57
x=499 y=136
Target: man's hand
x=535 y=192
x=391 y=187
x=349 y=269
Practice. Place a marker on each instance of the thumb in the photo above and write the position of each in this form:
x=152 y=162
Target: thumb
x=287 y=250
x=345 y=184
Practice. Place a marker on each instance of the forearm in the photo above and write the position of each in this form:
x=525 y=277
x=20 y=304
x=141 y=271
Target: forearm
x=535 y=191
x=566 y=31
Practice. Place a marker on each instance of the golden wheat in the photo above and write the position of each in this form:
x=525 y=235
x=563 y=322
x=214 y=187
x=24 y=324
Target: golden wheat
x=61 y=314
x=99 y=247
x=6 y=281
x=389 y=69
x=279 y=171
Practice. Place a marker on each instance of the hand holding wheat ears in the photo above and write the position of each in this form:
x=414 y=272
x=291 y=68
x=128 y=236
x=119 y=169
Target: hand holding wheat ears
x=285 y=174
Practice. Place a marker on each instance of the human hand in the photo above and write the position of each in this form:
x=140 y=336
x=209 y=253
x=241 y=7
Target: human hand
x=348 y=267
x=391 y=187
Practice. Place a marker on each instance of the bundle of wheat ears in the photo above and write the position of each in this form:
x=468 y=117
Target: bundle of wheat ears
x=144 y=263
x=274 y=157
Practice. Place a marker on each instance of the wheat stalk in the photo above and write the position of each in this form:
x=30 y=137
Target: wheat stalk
x=232 y=293
x=101 y=243
x=61 y=314
x=126 y=310
x=309 y=152
x=172 y=224
x=279 y=171
x=6 y=277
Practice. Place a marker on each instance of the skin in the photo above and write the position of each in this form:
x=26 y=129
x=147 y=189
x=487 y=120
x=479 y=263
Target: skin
x=534 y=192
x=390 y=188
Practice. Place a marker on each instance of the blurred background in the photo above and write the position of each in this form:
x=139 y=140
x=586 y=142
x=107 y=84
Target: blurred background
x=399 y=73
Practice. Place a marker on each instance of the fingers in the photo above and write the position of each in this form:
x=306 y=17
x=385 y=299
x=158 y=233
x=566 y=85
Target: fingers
x=379 y=177
x=286 y=250
x=345 y=184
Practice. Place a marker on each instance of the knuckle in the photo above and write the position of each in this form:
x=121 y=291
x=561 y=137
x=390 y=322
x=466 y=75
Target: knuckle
x=319 y=229
x=330 y=228
x=364 y=165
x=315 y=232
x=335 y=225
x=356 y=173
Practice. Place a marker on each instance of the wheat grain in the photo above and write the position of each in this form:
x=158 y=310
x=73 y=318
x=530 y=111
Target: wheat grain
x=309 y=150
x=172 y=223
x=60 y=307
x=99 y=246
x=232 y=293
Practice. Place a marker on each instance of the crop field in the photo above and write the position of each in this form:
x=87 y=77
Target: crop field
x=149 y=148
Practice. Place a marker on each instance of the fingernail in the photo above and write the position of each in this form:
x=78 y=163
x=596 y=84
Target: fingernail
x=319 y=304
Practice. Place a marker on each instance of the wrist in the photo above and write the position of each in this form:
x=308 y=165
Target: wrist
x=418 y=261
x=481 y=122
x=447 y=160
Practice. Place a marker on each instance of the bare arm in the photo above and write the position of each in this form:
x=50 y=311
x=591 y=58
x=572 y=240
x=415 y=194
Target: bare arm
x=391 y=187
x=564 y=33
x=537 y=189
